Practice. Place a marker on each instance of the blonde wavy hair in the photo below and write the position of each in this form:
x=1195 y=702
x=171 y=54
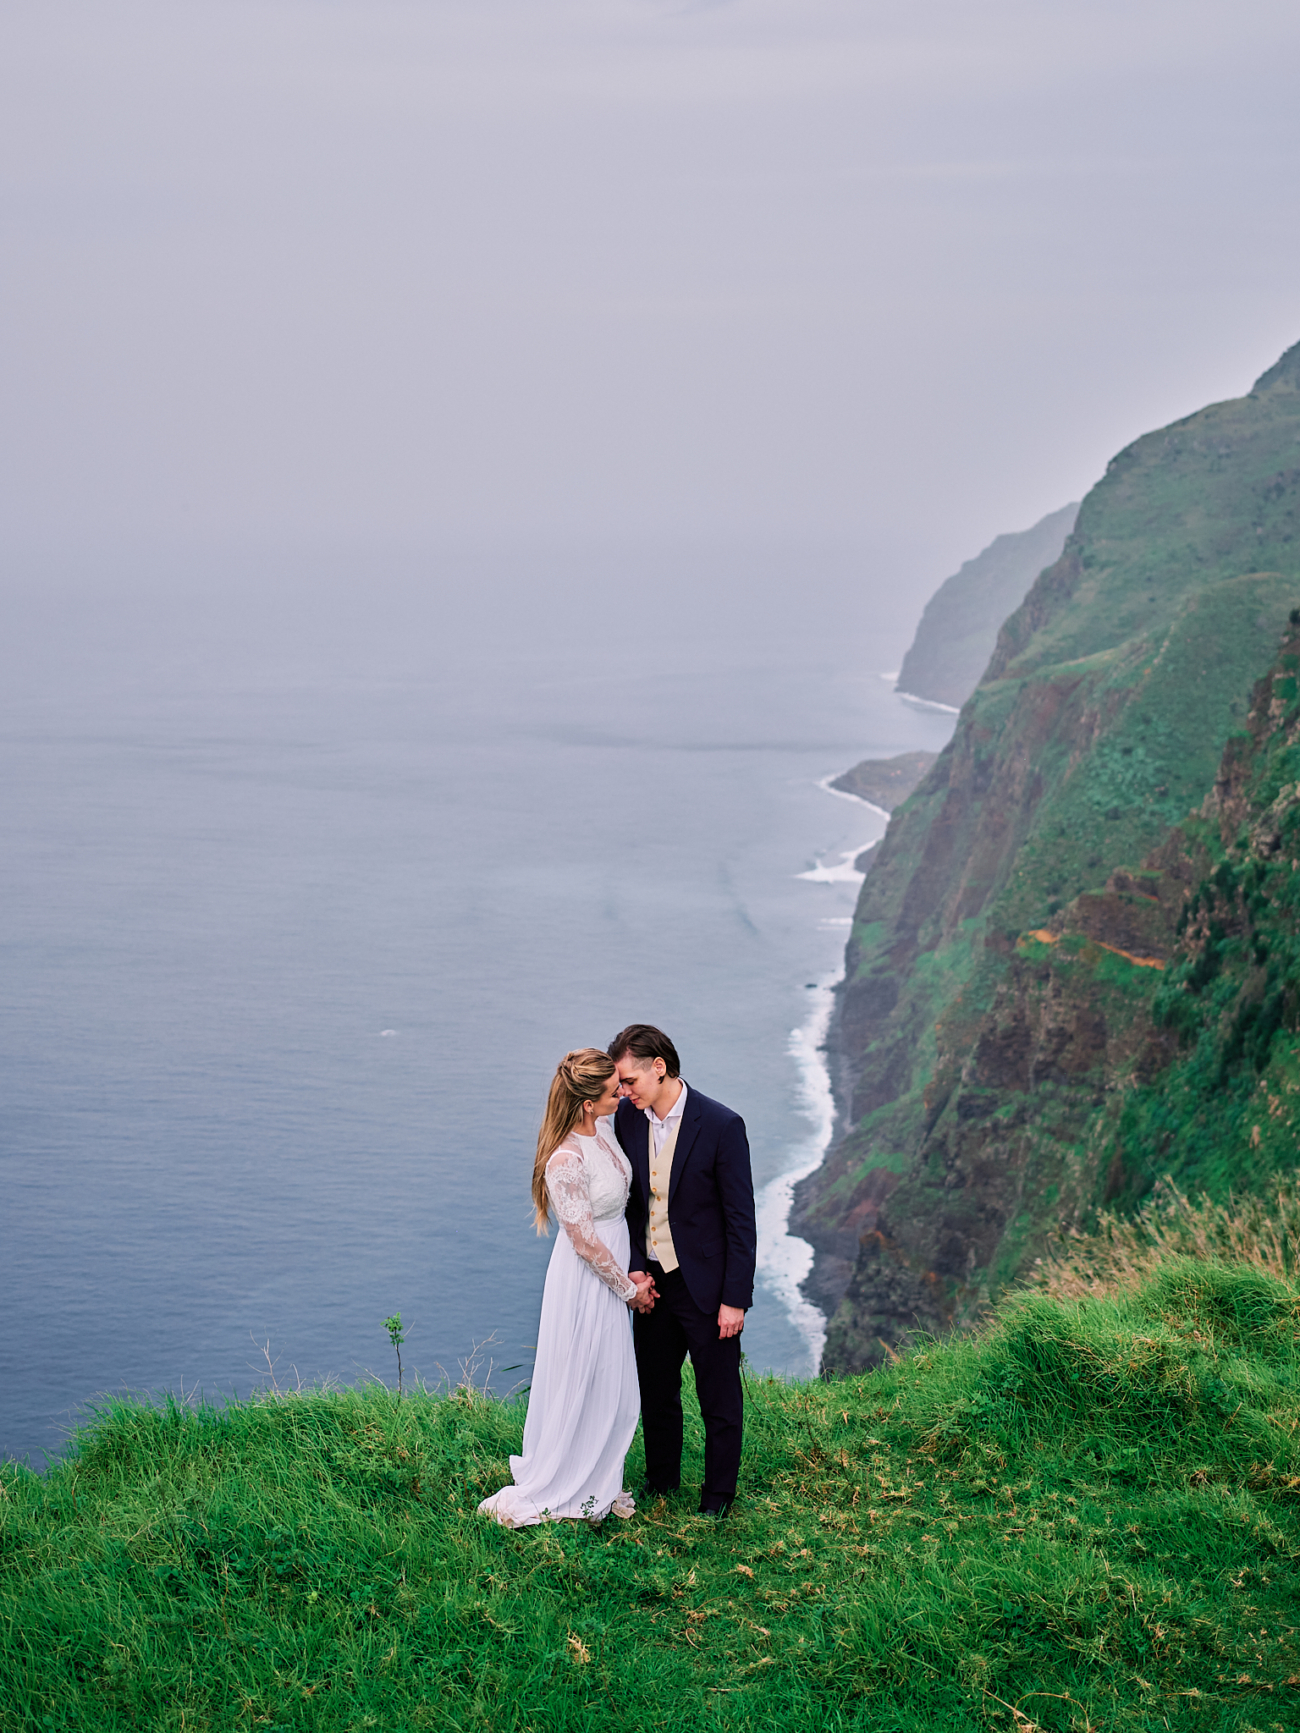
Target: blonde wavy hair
x=582 y=1075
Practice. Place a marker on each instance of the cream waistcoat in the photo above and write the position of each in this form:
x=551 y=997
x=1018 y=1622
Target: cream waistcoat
x=658 y=1235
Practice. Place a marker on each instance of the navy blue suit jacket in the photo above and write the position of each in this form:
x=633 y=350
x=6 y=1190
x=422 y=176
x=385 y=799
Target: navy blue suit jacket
x=710 y=1199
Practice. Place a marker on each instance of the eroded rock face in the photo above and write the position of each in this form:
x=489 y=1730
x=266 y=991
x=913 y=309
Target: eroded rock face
x=999 y=1013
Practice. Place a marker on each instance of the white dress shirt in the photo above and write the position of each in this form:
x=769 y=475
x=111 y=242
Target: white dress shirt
x=659 y=1127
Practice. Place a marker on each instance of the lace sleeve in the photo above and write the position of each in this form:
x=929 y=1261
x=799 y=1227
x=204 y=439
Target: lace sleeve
x=566 y=1181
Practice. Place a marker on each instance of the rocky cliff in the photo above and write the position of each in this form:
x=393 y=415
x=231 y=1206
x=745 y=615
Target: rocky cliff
x=1058 y=982
x=959 y=627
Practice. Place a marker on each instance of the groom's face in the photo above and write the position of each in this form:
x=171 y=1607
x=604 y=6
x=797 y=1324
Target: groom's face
x=641 y=1080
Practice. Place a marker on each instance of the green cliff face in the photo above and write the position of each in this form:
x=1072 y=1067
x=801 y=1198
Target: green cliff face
x=1044 y=1004
x=959 y=627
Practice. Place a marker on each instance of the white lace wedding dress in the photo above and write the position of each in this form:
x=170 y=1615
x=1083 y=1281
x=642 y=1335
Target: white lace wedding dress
x=584 y=1402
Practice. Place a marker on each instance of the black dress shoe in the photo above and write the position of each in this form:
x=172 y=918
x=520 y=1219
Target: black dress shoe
x=645 y=1492
x=714 y=1512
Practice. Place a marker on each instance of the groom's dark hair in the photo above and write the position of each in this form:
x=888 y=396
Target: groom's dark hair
x=644 y=1041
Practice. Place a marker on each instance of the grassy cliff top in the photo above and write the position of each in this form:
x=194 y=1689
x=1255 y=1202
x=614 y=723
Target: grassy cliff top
x=1086 y=1518
x=1208 y=498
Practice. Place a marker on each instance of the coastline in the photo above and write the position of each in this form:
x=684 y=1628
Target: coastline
x=827 y=786
x=785 y=1260
x=929 y=704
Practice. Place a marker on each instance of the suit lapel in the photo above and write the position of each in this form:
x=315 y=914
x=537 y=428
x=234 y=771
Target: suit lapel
x=691 y=1117
x=637 y=1129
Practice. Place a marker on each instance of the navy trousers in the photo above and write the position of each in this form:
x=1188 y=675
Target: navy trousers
x=663 y=1338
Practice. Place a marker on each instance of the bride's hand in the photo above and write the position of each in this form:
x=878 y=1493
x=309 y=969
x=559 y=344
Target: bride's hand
x=644 y=1298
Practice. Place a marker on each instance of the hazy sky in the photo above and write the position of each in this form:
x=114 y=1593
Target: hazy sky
x=835 y=271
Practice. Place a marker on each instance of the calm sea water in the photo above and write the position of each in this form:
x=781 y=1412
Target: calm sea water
x=303 y=899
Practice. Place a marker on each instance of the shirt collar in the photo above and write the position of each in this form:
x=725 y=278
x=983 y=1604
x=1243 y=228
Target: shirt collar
x=674 y=1112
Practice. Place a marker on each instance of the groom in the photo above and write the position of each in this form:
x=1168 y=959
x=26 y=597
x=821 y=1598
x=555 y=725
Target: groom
x=690 y=1215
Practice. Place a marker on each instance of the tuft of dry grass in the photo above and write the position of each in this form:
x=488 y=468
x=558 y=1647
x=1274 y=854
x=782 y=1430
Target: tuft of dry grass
x=1125 y=1251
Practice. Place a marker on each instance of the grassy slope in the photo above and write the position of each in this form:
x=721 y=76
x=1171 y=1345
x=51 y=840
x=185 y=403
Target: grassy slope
x=1224 y=1112
x=1086 y=1519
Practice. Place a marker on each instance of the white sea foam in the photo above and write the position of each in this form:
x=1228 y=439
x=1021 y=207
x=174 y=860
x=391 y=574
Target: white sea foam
x=783 y=1259
x=929 y=704
x=824 y=783
x=844 y=873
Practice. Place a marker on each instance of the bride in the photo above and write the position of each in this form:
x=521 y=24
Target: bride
x=583 y=1405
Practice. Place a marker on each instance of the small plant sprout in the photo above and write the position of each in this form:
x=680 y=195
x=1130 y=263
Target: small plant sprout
x=396 y=1336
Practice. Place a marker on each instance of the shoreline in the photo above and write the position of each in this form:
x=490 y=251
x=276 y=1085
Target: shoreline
x=785 y=1260
x=825 y=783
x=918 y=703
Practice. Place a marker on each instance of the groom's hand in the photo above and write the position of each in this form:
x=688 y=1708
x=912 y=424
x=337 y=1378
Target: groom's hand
x=731 y=1321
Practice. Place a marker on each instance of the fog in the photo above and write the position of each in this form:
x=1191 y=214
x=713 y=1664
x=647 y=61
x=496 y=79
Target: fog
x=358 y=281
x=463 y=468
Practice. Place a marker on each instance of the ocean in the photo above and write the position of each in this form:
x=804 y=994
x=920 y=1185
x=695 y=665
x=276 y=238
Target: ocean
x=310 y=879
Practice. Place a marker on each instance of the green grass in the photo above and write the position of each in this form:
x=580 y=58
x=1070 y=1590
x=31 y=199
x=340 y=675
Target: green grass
x=1086 y=1518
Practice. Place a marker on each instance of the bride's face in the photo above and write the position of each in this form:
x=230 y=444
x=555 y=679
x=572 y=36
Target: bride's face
x=606 y=1103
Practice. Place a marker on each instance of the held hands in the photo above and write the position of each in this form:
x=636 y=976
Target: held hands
x=731 y=1319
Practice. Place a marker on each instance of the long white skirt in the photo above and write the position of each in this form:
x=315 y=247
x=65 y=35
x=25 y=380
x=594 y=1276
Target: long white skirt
x=584 y=1401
